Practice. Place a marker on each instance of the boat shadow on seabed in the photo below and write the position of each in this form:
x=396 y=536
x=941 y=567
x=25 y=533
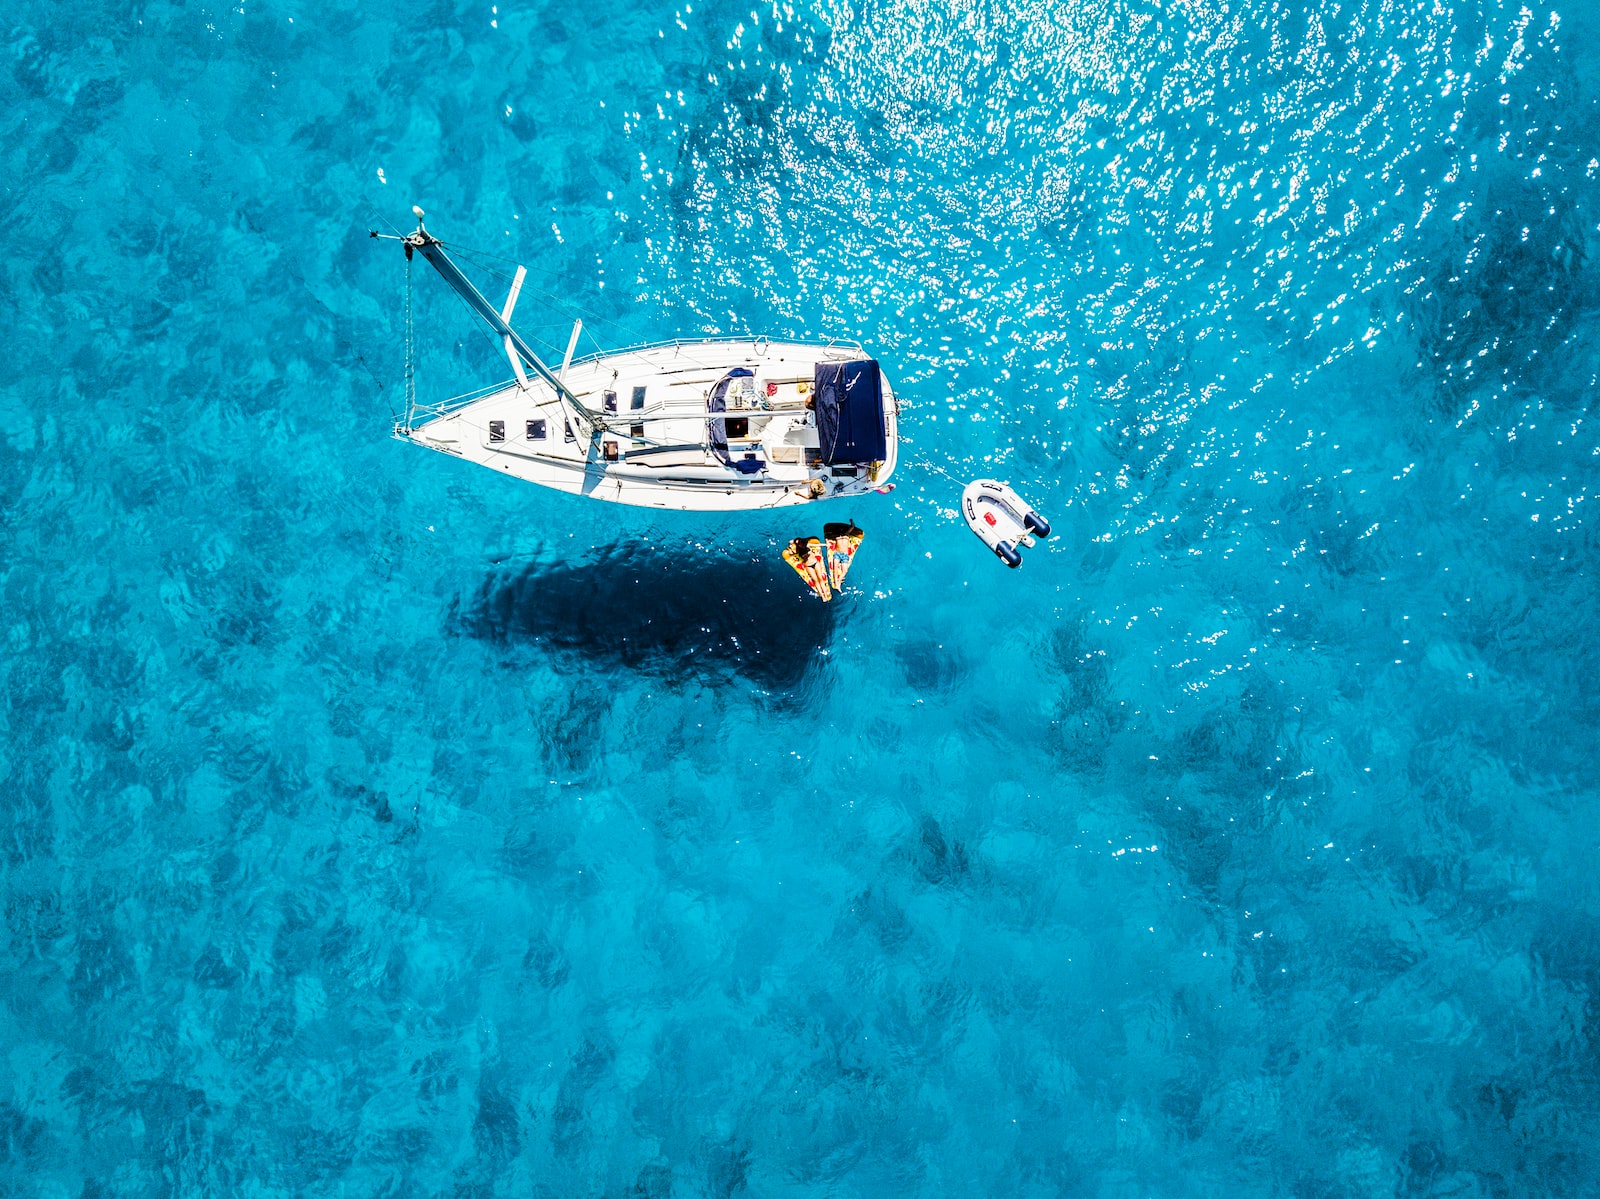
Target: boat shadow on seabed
x=670 y=613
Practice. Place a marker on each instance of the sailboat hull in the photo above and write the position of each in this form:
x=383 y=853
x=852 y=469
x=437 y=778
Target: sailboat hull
x=675 y=434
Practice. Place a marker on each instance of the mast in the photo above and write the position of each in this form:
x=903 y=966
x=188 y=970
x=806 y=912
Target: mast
x=517 y=350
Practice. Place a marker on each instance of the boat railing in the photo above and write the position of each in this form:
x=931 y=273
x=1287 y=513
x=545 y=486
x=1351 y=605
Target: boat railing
x=678 y=342
x=420 y=414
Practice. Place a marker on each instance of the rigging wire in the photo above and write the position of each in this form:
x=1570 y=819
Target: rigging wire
x=630 y=335
x=597 y=421
x=411 y=361
x=472 y=256
x=475 y=256
x=374 y=212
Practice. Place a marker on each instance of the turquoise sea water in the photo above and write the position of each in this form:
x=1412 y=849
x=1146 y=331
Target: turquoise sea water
x=373 y=825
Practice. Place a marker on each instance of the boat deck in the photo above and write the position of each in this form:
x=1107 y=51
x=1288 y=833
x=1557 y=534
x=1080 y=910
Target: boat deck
x=654 y=448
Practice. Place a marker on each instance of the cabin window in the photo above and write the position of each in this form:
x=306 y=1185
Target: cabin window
x=610 y=449
x=536 y=430
x=636 y=431
x=611 y=401
x=738 y=426
x=497 y=430
x=638 y=399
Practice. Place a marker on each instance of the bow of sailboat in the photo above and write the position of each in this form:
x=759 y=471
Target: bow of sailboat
x=700 y=424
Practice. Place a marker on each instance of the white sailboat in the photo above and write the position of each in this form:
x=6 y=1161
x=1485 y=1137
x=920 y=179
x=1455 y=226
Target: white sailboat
x=715 y=424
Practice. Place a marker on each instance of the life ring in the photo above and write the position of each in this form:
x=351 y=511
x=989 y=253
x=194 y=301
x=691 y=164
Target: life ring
x=1002 y=519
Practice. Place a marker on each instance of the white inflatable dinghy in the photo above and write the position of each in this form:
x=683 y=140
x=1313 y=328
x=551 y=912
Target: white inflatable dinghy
x=1001 y=519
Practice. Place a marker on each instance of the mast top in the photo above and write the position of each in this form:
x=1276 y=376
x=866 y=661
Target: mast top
x=421 y=236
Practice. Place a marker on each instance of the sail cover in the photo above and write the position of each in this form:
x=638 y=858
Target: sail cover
x=850 y=412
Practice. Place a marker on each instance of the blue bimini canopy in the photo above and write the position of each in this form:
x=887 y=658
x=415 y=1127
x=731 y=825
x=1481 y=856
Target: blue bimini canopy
x=850 y=412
